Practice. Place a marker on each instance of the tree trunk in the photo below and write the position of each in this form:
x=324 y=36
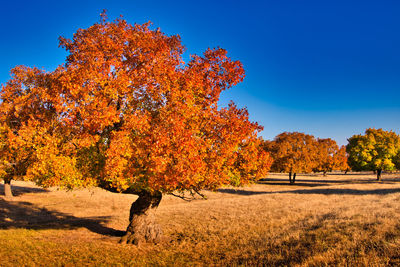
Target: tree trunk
x=142 y=226
x=378 y=174
x=290 y=177
x=324 y=173
x=294 y=178
x=7 y=189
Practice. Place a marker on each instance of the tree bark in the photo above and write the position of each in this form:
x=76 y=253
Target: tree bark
x=290 y=177
x=324 y=173
x=142 y=226
x=294 y=178
x=7 y=189
x=378 y=174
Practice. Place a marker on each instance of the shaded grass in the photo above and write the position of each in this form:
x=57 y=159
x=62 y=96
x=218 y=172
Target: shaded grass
x=337 y=223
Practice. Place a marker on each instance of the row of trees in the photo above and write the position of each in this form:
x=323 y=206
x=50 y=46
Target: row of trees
x=294 y=152
x=302 y=153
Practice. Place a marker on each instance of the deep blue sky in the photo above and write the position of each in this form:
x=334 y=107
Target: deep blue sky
x=328 y=68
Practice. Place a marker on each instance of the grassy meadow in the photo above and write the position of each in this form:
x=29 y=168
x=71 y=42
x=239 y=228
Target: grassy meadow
x=335 y=220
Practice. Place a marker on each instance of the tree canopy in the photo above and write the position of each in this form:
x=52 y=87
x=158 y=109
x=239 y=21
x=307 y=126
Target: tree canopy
x=292 y=152
x=375 y=150
x=330 y=156
x=295 y=152
x=126 y=113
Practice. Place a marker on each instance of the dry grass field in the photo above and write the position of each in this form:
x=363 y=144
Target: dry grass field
x=339 y=219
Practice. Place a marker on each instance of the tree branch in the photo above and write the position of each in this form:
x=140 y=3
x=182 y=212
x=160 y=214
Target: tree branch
x=182 y=197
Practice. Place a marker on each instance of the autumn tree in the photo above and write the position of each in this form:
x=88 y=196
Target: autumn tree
x=376 y=150
x=292 y=152
x=25 y=116
x=341 y=160
x=125 y=113
x=329 y=156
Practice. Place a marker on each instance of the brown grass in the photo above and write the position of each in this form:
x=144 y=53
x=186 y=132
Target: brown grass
x=335 y=220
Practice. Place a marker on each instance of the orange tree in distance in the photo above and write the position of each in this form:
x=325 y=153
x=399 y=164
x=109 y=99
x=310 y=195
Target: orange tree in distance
x=125 y=113
x=329 y=156
x=292 y=152
x=341 y=160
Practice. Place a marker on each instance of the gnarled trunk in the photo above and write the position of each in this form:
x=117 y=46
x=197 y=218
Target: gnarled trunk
x=7 y=189
x=142 y=226
x=378 y=174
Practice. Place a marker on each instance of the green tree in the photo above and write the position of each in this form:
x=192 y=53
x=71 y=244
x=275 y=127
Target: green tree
x=376 y=150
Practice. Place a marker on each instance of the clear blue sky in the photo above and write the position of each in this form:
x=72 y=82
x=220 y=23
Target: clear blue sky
x=328 y=68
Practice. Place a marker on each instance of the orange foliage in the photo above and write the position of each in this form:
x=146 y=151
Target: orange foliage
x=293 y=152
x=330 y=157
x=127 y=114
x=298 y=152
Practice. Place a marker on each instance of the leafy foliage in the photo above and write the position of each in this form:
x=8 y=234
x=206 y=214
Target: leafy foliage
x=375 y=150
x=126 y=113
x=329 y=156
x=298 y=152
x=293 y=152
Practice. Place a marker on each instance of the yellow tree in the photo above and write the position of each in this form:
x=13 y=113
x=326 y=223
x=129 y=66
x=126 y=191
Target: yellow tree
x=293 y=153
x=376 y=150
x=127 y=114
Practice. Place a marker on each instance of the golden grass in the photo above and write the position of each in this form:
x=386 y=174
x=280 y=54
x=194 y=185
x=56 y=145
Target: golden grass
x=335 y=220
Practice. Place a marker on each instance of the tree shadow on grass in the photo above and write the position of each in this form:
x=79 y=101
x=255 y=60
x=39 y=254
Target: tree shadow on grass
x=357 y=181
x=28 y=216
x=299 y=182
x=322 y=191
x=242 y=192
x=326 y=181
x=20 y=190
x=345 y=191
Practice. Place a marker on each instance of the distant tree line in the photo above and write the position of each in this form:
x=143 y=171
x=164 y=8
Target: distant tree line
x=303 y=153
x=293 y=152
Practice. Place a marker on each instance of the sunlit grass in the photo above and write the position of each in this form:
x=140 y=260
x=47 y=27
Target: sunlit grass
x=334 y=220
